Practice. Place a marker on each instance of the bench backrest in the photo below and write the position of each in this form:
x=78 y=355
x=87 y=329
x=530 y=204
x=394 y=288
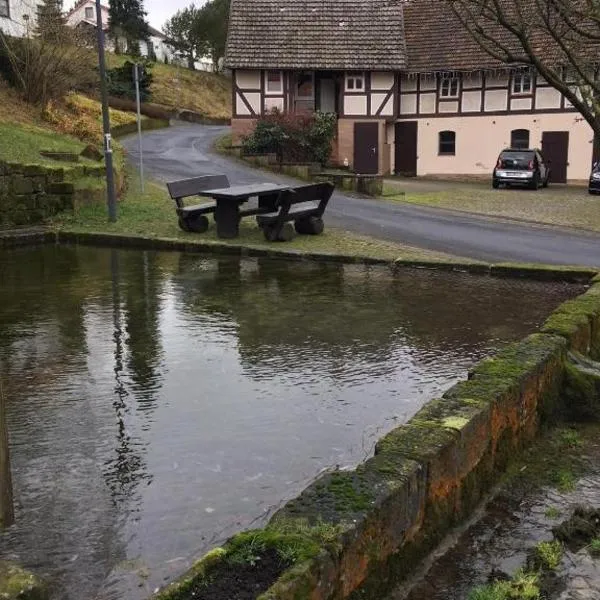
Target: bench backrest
x=184 y=188
x=315 y=192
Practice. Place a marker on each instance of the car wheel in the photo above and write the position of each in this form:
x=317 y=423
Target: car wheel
x=495 y=184
x=535 y=182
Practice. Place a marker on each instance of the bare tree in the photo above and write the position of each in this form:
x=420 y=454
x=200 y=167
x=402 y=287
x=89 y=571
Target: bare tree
x=560 y=39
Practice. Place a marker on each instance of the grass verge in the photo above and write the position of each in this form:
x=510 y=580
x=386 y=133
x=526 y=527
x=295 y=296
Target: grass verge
x=152 y=215
x=564 y=206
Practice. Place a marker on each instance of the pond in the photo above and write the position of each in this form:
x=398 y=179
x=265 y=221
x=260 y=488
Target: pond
x=159 y=402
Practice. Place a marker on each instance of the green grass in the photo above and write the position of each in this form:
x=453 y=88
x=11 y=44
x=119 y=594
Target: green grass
x=564 y=480
x=548 y=555
x=594 y=547
x=523 y=586
x=552 y=513
x=22 y=143
x=567 y=207
x=152 y=215
x=571 y=438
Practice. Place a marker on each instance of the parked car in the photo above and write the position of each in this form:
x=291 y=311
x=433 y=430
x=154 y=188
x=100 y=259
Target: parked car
x=594 y=185
x=521 y=167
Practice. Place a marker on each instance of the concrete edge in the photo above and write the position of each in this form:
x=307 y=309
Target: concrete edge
x=429 y=474
x=554 y=273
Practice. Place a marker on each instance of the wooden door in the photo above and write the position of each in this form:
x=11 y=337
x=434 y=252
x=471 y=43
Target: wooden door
x=406 y=148
x=555 y=148
x=366 y=148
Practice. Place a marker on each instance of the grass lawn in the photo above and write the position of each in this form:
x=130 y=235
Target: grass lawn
x=178 y=87
x=566 y=206
x=152 y=215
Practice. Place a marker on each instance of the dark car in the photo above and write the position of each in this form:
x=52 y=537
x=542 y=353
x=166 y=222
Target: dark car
x=594 y=185
x=521 y=167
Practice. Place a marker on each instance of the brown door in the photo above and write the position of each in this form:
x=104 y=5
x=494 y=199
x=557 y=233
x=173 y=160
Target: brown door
x=555 y=148
x=366 y=148
x=406 y=148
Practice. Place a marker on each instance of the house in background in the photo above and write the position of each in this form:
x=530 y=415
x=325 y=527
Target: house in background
x=18 y=17
x=413 y=92
x=83 y=15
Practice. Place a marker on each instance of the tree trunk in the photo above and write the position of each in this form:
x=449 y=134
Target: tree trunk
x=7 y=515
x=191 y=62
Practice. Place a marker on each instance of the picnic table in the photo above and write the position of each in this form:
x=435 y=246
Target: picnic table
x=229 y=200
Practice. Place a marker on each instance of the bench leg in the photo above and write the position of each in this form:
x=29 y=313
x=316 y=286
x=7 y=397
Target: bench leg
x=197 y=223
x=310 y=226
x=276 y=233
x=227 y=216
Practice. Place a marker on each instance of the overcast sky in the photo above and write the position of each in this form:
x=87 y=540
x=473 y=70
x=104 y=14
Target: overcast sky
x=158 y=10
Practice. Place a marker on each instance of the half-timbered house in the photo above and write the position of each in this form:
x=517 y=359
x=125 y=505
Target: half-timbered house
x=414 y=94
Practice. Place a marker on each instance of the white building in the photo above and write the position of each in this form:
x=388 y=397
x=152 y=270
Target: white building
x=83 y=14
x=18 y=17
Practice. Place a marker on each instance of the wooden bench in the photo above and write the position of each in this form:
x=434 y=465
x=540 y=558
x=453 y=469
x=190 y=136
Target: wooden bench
x=304 y=206
x=192 y=218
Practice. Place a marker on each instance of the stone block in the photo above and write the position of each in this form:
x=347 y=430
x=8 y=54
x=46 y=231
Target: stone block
x=34 y=171
x=92 y=153
x=39 y=183
x=61 y=188
x=21 y=185
x=55 y=174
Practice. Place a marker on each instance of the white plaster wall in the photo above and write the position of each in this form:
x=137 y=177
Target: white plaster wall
x=520 y=104
x=479 y=140
x=448 y=107
x=248 y=79
x=355 y=106
x=547 y=98
x=427 y=83
x=427 y=104
x=272 y=102
x=408 y=104
x=496 y=80
x=408 y=84
x=471 y=80
x=377 y=101
x=495 y=100
x=23 y=16
x=471 y=101
x=382 y=80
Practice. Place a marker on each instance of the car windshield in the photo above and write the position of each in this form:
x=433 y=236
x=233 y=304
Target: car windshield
x=516 y=160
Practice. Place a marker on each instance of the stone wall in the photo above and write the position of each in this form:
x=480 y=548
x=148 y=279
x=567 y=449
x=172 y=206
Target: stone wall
x=29 y=194
x=426 y=476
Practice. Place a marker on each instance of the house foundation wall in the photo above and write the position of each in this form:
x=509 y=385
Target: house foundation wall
x=345 y=145
x=241 y=128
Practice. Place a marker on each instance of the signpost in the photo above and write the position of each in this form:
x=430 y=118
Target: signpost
x=136 y=76
x=108 y=157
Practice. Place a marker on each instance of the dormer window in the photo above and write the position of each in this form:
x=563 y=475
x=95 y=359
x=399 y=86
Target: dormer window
x=274 y=82
x=4 y=9
x=89 y=13
x=521 y=83
x=355 y=82
x=449 y=87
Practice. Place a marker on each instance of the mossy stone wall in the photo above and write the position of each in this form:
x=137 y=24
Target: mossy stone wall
x=29 y=194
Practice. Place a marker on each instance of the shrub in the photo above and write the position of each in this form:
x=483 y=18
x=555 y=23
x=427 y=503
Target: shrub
x=121 y=80
x=42 y=70
x=303 y=137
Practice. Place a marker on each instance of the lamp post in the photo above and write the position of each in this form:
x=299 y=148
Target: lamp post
x=108 y=157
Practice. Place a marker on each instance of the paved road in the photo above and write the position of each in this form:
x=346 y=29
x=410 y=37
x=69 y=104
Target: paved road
x=185 y=151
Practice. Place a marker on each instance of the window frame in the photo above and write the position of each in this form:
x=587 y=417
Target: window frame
x=519 y=78
x=312 y=96
x=278 y=92
x=446 y=142
x=7 y=15
x=355 y=77
x=450 y=79
x=90 y=9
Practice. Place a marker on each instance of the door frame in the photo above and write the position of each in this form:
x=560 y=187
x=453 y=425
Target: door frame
x=369 y=147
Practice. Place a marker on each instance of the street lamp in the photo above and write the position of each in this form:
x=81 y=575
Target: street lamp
x=108 y=158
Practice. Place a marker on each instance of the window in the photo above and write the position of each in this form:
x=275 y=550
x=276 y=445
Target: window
x=4 y=9
x=449 y=87
x=522 y=83
x=355 y=83
x=274 y=82
x=306 y=85
x=447 y=143
x=89 y=13
x=519 y=139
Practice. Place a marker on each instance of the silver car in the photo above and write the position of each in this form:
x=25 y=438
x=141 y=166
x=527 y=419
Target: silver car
x=521 y=168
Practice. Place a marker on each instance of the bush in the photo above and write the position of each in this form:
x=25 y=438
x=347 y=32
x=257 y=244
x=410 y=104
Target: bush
x=294 y=138
x=121 y=81
x=43 y=71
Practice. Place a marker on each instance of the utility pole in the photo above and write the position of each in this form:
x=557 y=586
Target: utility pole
x=108 y=157
x=136 y=75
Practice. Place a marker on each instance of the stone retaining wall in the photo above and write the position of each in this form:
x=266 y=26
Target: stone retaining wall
x=32 y=193
x=426 y=476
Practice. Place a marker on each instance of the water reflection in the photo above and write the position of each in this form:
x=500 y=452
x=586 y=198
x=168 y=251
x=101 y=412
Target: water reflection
x=157 y=403
x=7 y=511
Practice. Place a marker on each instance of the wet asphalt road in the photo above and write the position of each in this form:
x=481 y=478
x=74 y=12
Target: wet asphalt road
x=185 y=151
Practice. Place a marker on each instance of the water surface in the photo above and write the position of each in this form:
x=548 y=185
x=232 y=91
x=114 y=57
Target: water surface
x=159 y=402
